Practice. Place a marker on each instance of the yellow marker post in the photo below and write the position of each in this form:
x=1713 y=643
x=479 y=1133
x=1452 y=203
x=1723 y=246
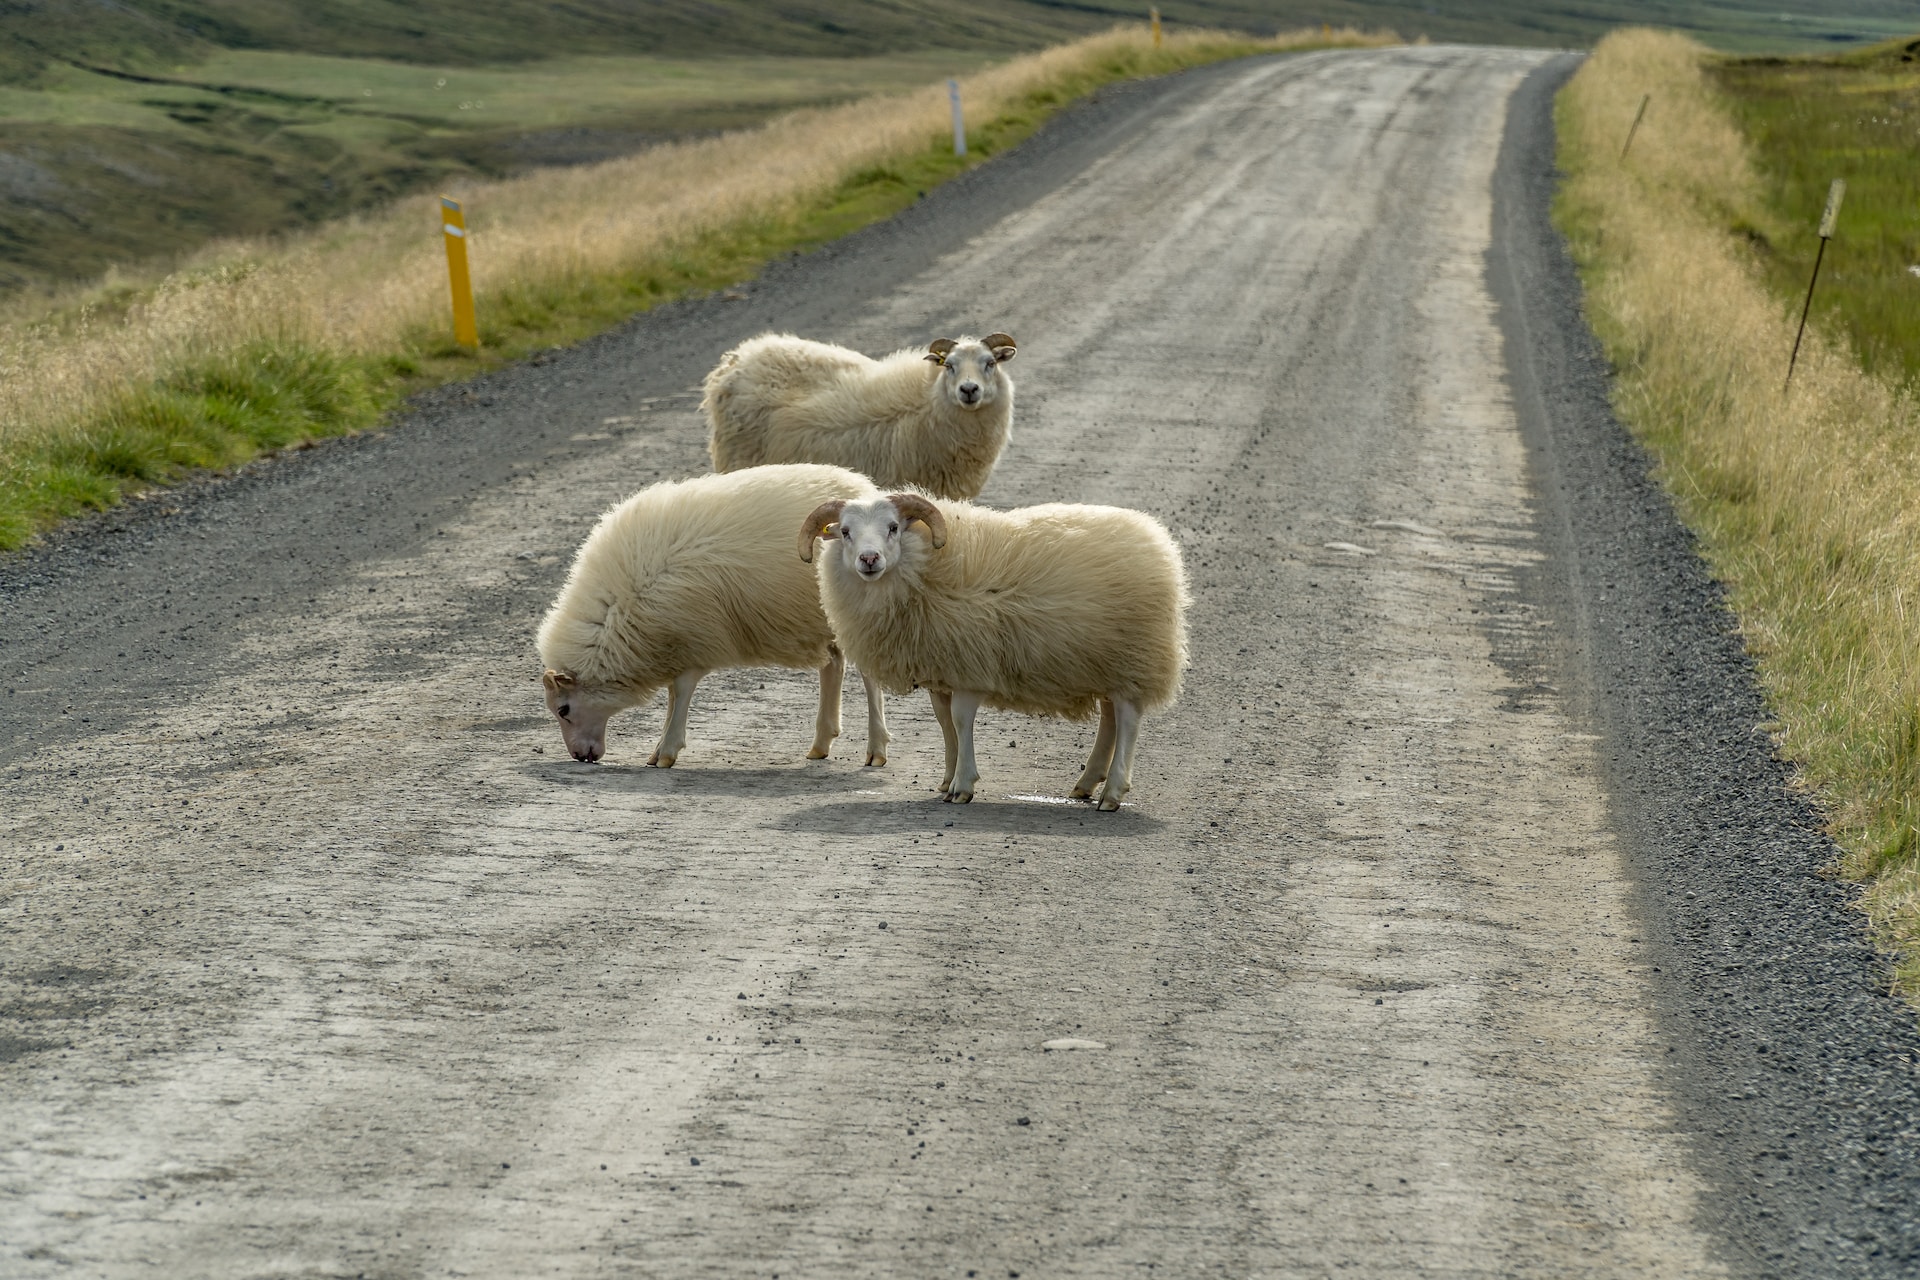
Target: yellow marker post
x=454 y=224
x=1155 y=14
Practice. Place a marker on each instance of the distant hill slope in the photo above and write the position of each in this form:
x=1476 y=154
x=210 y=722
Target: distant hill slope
x=1727 y=24
x=136 y=34
x=146 y=34
x=134 y=130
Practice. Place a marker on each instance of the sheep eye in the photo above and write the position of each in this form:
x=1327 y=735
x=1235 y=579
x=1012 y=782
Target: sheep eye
x=893 y=528
x=988 y=364
x=565 y=707
x=847 y=534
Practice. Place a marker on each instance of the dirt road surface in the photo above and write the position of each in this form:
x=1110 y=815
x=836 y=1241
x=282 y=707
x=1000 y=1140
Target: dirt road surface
x=322 y=959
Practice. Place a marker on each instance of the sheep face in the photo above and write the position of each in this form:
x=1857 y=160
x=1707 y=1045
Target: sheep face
x=582 y=713
x=970 y=376
x=867 y=534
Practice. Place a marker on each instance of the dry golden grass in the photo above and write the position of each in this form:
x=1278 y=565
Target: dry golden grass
x=1807 y=501
x=376 y=284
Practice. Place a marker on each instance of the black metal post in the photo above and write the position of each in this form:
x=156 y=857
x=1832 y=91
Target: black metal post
x=1795 y=357
x=1636 y=125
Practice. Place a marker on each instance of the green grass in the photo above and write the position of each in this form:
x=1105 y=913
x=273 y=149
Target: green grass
x=1729 y=24
x=256 y=116
x=148 y=34
x=1854 y=116
x=109 y=171
x=272 y=394
x=223 y=412
x=145 y=35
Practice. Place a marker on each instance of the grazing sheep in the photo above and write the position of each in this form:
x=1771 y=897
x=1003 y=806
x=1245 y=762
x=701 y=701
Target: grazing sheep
x=937 y=421
x=692 y=576
x=1048 y=610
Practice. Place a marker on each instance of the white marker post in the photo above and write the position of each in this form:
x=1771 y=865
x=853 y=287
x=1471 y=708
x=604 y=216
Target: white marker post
x=959 y=124
x=1829 y=217
x=1154 y=17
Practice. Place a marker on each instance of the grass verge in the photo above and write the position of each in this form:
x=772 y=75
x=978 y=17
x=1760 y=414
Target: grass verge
x=1803 y=499
x=1810 y=120
x=253 y=345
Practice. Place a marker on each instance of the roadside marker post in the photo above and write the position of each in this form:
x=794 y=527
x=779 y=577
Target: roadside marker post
x=1635 y=127
x=453 y=225
x=1154 y=14
x=959 y=124
x=1829 y=218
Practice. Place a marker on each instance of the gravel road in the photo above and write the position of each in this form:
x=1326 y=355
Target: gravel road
x=1459 y=922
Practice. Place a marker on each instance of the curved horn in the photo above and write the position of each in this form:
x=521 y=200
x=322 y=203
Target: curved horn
x=939 y=349
x=912 y=506
x=1001 y=344
x=824 y=517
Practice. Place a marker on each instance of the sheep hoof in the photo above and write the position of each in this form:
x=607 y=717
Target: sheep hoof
x=958 y=797
x=1109 y=803
x=1079 y=793
x=659 y=761
x=875 y=759
x=817 y=753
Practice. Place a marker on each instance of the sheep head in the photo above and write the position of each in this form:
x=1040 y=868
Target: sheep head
x=970 y=376
x=870 y=530
x=582 y=714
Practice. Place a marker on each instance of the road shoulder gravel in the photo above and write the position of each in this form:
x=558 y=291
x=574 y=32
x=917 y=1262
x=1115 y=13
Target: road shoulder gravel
x=1793 y=1069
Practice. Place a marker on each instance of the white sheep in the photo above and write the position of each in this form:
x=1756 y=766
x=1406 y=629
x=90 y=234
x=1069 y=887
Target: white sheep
x=937 y=420
x=1049 y=610
x=692 y=576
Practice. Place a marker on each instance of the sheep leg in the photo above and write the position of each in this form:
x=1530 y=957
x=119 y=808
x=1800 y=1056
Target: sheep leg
x=826 y=725
x=1096 y=770
x=679 y=700
x=965 y=775
x=943 y=712
x=877 y=735
x=1120 y=777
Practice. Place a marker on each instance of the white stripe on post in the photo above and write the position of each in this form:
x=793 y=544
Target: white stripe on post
x=959 y=125
x=1831 y=214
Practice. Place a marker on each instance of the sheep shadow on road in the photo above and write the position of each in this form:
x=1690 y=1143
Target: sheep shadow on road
x=717 y=779
x=1008 y=815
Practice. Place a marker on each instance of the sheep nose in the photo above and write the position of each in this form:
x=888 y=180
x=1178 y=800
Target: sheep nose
x=969 y=391
x=869 y=561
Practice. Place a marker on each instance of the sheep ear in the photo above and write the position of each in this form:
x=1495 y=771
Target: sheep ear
x=939 y=349
x=1002 y=345
x=557 y=680
x=824 y=517
x=912 y=506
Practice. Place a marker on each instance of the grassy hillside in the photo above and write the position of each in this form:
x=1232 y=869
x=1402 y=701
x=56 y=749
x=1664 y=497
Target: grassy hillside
x=1724 y=24
x=153 y=34
x=1854 y=116
x=135 y=130
x=97 y=170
